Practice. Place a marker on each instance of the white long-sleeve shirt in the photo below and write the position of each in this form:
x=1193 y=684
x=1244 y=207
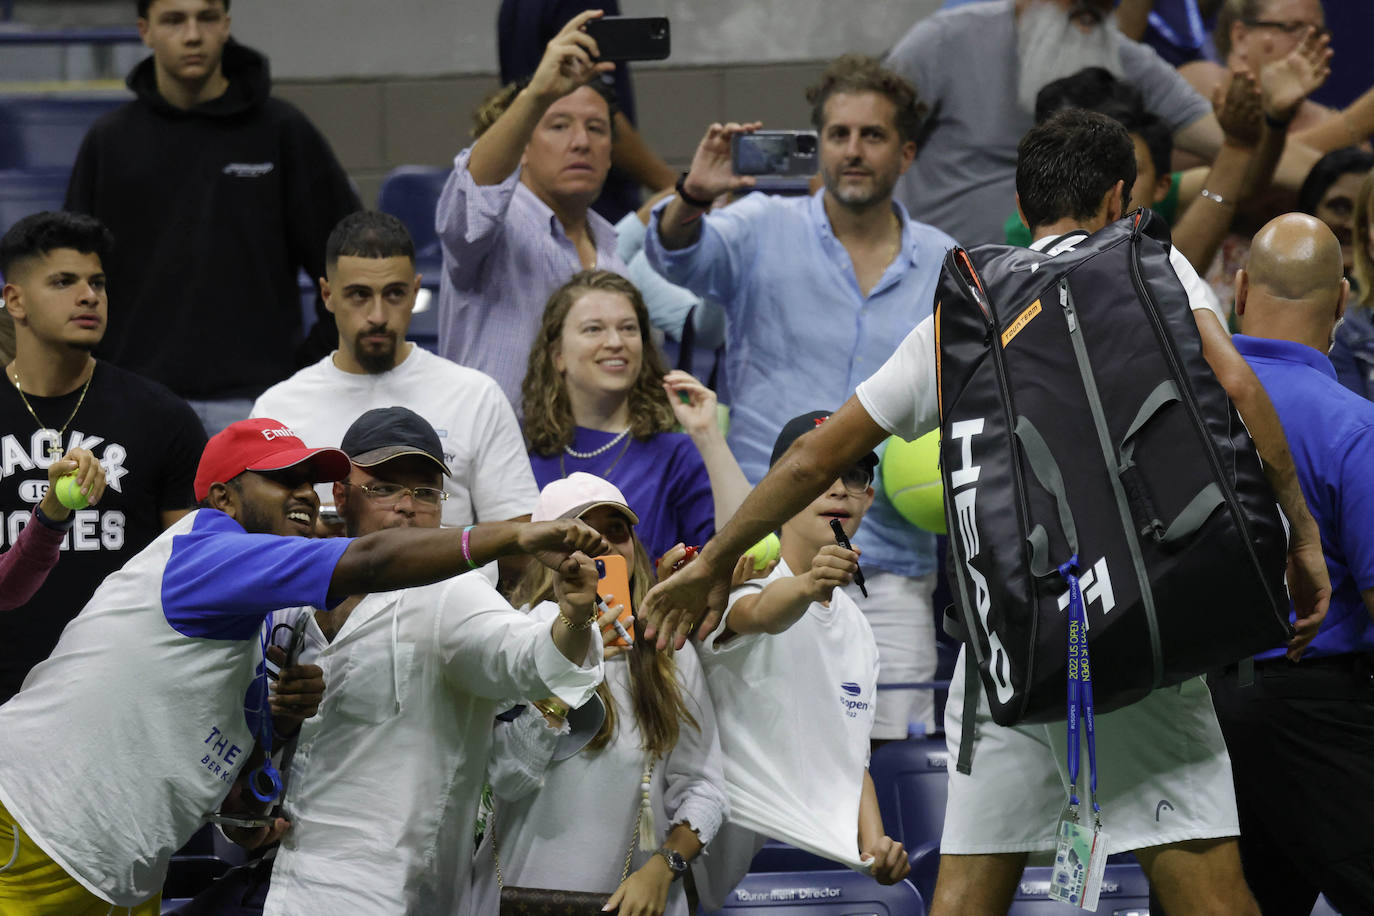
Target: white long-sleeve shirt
x=384 y=787
x=572 y=833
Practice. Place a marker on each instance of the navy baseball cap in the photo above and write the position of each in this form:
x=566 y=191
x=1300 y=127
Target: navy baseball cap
x=384 y=433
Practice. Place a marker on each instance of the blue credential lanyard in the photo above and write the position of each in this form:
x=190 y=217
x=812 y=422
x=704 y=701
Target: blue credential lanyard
x=1080 y=701
x=1196 y=33
x=264 y=782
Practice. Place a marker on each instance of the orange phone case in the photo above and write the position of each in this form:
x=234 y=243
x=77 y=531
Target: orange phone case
x=615 y=581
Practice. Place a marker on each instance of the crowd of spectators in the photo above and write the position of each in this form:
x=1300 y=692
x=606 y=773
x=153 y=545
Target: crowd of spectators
x=429 y=529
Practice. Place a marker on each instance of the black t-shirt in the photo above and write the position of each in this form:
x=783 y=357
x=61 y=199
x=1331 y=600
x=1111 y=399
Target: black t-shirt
x=149 y=442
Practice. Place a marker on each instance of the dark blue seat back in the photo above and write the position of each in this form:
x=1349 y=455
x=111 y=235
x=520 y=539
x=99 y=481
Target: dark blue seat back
x=28 y=191
x=912 y=782
x=1125 y=892
x=411 y=193
x=43 y=132
x=822 y=893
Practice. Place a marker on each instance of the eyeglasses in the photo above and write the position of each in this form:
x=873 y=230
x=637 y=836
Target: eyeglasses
x=1290 y=27
x=857 y=479
x=386 y=495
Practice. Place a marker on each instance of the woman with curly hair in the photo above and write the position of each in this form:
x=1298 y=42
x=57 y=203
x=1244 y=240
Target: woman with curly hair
x=597 y=398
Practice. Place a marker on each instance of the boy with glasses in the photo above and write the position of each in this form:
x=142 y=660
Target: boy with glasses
x=793 y=668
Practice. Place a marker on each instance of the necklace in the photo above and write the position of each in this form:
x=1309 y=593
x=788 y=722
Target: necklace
x=55 y=449
x=563 y=471
x=600 y=451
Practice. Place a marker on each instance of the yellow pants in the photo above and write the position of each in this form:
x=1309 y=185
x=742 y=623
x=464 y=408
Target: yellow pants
x=32 y=884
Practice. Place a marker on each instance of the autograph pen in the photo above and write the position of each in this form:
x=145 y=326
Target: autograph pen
x=615 y=622
x=843 y=541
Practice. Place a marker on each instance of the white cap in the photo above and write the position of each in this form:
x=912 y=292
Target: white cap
x=577 y=493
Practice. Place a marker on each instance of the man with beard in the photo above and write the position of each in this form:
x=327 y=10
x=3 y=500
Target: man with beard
x=370 y=287
x=980 y=66
x=818 y=291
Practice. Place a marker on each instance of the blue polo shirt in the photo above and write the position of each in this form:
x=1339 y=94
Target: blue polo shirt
x=1330 y=433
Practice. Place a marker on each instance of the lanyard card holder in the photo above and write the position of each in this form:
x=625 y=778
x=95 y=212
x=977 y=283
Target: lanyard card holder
x=1080 y=853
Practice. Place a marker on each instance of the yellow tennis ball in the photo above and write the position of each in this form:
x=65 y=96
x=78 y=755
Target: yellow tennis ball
x=69 y=492
x=765 y=551
x=911 y=479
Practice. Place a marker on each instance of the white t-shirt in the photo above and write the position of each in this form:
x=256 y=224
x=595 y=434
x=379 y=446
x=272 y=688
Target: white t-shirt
x=795 y=711
x=383 y=789
x=900 y=396
x=483 y=448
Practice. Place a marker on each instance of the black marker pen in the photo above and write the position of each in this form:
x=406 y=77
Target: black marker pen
x=843 y=541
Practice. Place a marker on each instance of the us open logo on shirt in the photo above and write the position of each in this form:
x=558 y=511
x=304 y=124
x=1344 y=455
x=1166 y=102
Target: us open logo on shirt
x=249 y=169
x=849 y=699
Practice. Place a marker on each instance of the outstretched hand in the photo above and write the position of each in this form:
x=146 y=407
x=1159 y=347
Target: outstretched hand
x=712 y=173
x=90 y=478
x=553 y=543
x=693 y=598
x=694 y=405
x=1288 y=81
x=1240 y=109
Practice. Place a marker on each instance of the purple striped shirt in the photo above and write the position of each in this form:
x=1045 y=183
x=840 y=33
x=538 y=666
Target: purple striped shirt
x=504 y=253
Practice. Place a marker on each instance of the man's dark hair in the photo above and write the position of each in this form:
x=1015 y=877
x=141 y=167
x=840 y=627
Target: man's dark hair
x=1328 y=169
x=854 y=73
x=39 y=233
x=1065 y=166
x=1093 y=88
x=368 y=234
x=1158 y=140
x=143 y=6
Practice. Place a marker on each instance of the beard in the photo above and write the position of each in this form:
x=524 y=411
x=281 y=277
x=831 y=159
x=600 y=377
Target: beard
x=375 y=360
x=879 y=189
x=1049 y=47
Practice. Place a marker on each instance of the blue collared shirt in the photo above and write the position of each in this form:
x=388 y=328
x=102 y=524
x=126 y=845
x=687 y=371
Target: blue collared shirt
x=1330 y=434
x=800 y=335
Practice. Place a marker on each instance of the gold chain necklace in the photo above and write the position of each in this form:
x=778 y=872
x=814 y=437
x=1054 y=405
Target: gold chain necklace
x=55 y=449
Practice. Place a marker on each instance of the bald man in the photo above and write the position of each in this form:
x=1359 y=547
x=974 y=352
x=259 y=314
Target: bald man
x=1301 y=736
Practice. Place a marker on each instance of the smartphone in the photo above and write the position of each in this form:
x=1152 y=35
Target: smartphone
x=615 y=582
x=776 y=158
x=630 y=37
x=244 y=821
x=293 y=646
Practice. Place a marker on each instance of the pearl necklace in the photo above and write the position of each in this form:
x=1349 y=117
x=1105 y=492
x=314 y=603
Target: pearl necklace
x=601 y=451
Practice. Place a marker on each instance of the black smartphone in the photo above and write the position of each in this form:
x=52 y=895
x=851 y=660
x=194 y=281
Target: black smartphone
x=631 y=37
x=775 y=157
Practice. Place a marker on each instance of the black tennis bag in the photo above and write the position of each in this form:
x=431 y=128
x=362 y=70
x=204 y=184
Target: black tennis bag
x=1079 y=418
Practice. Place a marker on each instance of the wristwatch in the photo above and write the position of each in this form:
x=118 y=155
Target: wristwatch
x=676 y=863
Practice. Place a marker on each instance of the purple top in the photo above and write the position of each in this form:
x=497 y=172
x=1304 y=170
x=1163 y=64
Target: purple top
x=663 y=478
x=25 y=565
x=504 y=253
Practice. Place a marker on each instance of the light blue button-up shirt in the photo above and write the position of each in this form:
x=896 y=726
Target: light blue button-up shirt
x=800 y=335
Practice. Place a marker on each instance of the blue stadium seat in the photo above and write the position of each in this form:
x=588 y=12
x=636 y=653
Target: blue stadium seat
x=1125 y=892
x=44 y=132
x=777 y=856
x=822 y=893
x=25 y=191
x=411 y=193
x=912 y=781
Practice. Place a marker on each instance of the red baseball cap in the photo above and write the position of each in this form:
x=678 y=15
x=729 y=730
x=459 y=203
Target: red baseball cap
x=262 y=444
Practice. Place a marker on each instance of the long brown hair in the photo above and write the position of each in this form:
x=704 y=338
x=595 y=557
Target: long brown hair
x=548 y=412
x=1364 y=265
x=654 y=690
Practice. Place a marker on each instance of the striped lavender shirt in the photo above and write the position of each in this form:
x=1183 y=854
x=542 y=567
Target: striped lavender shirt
x=504 y=253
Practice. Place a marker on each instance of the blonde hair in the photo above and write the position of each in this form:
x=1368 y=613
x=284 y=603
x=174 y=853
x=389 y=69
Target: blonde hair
x=492 y=107
x=1360 y=241
x=655 y=693
x=544 y=393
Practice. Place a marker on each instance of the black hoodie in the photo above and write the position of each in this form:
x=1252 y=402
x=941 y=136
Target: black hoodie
x=213 y=210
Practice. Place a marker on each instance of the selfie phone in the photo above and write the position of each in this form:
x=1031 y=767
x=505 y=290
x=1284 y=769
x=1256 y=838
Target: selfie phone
x=776 y=158
x=244 y=821
x=631 y=37
x=615 y=581
x=293 y=646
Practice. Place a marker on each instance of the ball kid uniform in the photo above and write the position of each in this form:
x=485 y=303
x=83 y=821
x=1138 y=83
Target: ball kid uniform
x=134 y=729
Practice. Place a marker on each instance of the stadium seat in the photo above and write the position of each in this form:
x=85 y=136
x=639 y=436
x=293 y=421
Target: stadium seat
x=1125 y=892
x=25 y=191
x=45 y=132
x=911 y=779
x=822 y=893
x=411 y=193
x=777 y=856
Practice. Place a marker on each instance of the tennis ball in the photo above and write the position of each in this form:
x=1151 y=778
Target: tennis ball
x=69 y=492
x=911 y=479
x=765 y=551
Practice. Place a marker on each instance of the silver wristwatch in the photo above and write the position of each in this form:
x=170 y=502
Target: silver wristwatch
x=676 y=863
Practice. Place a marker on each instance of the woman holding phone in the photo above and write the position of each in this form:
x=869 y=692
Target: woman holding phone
x=598 y=399
x=624 y=815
